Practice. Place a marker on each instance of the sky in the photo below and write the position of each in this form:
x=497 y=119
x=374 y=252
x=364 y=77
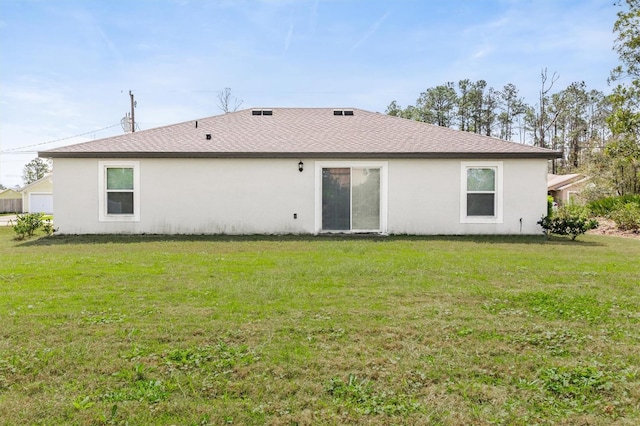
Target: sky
x=67 y=66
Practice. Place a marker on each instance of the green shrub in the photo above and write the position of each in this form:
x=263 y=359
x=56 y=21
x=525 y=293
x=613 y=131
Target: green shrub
x=27 y=224
x=604 y=206
x=47 y=227
x=627 y=216
x=571 y=219
x=550 y=202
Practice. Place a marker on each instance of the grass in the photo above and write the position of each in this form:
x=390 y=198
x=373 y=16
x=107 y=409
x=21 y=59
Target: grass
x=301 y=330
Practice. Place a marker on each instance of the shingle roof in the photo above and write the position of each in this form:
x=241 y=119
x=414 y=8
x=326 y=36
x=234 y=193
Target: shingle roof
x=559 y=182
x=298 y=132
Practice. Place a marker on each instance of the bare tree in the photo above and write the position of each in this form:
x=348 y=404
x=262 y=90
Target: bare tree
x=544 y=122
x=227 y=102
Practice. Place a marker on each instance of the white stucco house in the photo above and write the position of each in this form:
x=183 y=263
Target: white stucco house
x=300 y=171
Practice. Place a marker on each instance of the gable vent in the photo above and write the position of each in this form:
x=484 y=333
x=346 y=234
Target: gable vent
x=342 y=112
x=262 y=112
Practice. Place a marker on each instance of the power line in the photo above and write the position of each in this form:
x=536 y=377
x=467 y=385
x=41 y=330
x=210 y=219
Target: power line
x=4 y=153
x=58 y=140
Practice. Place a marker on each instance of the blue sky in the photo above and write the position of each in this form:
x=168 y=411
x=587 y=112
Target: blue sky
x=66 y=67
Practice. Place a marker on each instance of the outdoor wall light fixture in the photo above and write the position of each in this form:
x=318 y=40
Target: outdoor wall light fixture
x=300 y=166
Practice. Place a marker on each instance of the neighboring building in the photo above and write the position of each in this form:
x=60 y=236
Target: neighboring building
x=10 y=201
x=300 y=171
x=37 y=197
x=566 y=188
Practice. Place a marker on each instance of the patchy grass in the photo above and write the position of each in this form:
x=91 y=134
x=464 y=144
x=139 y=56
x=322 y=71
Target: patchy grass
x=296 y=330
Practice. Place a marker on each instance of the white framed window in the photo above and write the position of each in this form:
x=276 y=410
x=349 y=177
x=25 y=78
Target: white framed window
x=481 y=192
x=119 y=191
x=351 y=196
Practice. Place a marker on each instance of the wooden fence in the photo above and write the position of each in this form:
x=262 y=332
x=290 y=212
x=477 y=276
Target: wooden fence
x=12 y=205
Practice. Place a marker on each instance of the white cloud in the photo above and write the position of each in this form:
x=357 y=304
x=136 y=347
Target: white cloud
x=483 y=51
x=371 y=31
x=313 y=17
x=287 y=39
x=360 y=53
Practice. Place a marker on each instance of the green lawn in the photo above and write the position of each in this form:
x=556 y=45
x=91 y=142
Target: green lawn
x=301 y=330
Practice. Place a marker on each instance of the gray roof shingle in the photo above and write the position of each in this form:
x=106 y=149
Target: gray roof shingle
x=301 y=132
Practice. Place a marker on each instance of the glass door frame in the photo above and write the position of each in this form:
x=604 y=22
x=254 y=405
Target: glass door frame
x=381 y=165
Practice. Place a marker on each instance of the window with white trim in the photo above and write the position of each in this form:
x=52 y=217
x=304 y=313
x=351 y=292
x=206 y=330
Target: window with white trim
x=481 y=192
x=119 y=186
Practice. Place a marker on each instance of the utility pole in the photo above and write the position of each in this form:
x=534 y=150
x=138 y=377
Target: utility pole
x=133 y=119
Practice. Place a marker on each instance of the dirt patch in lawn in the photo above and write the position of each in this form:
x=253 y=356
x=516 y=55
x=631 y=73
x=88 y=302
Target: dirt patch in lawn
x=608 y=227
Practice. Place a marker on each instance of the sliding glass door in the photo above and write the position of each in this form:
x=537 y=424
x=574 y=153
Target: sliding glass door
x=336 y=199
x=351 y=198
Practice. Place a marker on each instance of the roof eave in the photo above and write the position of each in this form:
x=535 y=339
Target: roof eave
x=548 y=155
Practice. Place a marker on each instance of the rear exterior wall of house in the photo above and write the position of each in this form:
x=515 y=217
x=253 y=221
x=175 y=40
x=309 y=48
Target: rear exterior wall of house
x=271 y=196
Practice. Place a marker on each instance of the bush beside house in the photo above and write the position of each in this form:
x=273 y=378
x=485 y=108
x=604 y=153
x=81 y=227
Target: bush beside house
x=27 y=225
x=570 y=219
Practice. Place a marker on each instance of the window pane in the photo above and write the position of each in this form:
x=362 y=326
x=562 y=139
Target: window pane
x=480 y=205
x=119 y=178
x=119 y=202
x=481 y=180
x=366 y=198
x=336 y=197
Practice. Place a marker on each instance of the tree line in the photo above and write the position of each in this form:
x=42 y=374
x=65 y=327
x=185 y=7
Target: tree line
x=597 y=133
x=572 y=120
